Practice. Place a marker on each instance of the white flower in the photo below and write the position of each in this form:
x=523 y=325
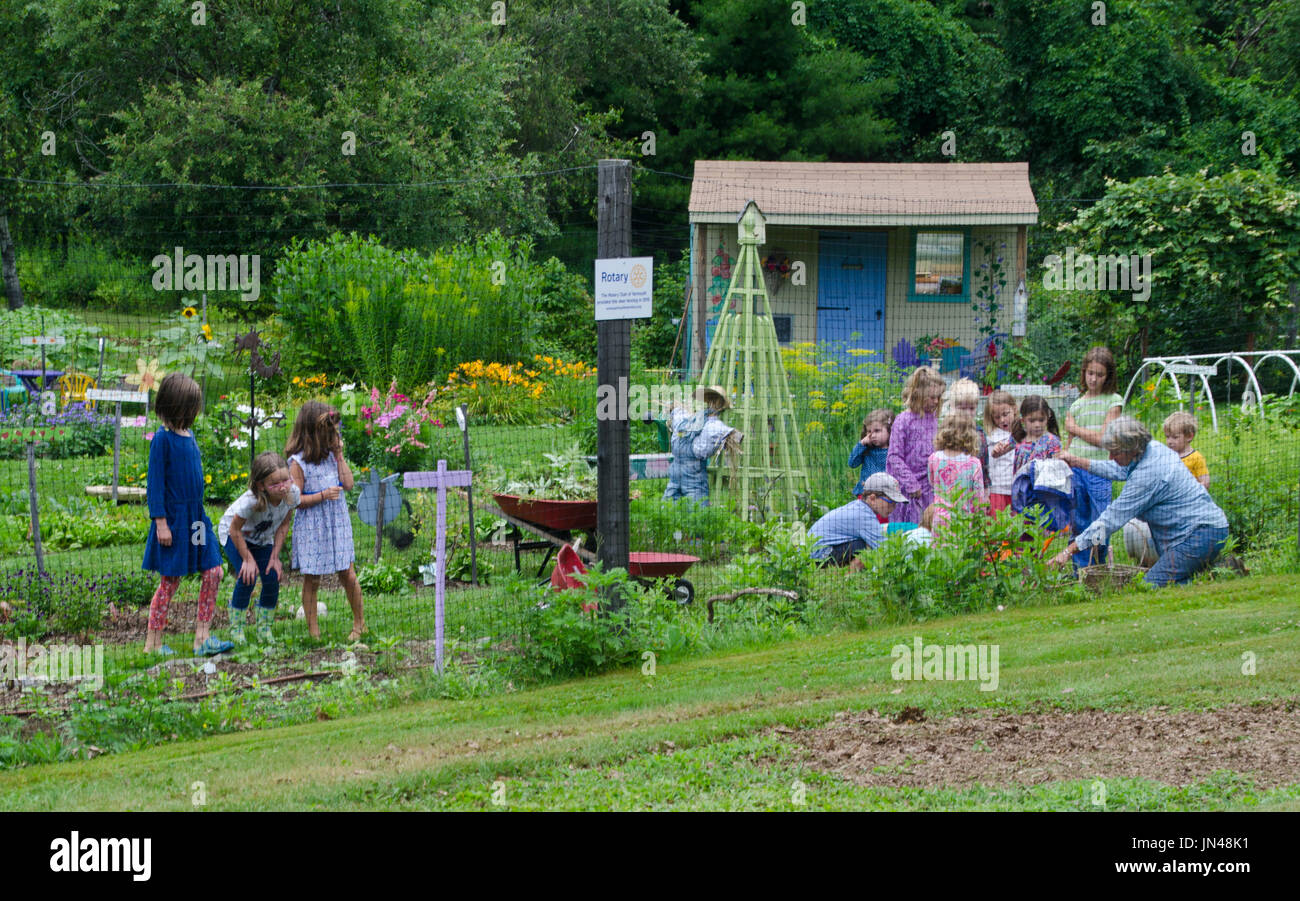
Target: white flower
x=348 y=387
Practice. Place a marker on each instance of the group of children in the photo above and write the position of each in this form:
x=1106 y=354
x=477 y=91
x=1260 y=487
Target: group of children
x=305 y=492
x=915 y=463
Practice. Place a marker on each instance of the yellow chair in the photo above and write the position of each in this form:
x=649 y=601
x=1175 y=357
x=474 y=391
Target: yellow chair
x=72 y=389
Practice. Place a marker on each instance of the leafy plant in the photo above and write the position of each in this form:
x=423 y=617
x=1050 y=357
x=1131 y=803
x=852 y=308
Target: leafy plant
x=975 y=563
x=565 y=475
x=382 y=578
x=49 y=604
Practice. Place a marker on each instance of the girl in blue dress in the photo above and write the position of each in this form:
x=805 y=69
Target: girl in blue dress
x=181 y=538
x=322 y=531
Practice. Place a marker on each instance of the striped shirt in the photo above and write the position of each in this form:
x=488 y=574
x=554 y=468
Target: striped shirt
x=1090 y=413
x=1159 y=490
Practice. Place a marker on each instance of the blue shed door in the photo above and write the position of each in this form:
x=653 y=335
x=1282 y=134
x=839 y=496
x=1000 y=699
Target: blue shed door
x=851 y=288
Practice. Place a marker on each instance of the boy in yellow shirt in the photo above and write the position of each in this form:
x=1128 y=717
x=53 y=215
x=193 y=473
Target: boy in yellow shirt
x=1180 y=429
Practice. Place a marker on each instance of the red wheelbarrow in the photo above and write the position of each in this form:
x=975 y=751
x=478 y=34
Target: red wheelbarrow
x=644 y=566
x=647 y=565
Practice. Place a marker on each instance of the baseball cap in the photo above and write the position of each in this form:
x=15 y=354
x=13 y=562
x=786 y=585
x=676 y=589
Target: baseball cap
x=885 y=484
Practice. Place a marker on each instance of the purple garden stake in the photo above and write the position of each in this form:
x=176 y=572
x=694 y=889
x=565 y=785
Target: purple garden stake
x=442 y=479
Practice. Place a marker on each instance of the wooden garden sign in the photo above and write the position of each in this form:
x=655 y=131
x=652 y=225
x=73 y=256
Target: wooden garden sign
x=118 y=398
x=442 y=480
x=43 y=341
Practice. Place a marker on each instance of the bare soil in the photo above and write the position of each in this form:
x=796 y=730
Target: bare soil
x=912 y=751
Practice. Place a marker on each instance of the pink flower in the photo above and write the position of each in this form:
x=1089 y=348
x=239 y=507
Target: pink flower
x=148 y=436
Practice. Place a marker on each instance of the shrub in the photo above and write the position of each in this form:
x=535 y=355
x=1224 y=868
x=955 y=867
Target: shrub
x=357 y=308
x=48 y=604
x=683 y=526
x=568 y=634
x=976 y=563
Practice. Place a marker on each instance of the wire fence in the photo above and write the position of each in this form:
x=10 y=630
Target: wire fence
x=807 y=318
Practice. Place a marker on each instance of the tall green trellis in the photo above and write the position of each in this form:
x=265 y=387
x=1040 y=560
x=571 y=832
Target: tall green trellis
x=745 y=358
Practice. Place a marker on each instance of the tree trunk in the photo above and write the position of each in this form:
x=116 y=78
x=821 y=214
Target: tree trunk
x=9 y=265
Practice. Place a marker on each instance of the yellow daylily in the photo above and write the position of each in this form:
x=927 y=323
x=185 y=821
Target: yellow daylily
x=207 y=331
x=147 y=375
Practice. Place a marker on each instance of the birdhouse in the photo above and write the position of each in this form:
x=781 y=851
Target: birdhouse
x=752 y=225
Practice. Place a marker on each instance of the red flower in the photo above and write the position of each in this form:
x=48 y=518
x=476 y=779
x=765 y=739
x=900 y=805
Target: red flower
x=993 y=350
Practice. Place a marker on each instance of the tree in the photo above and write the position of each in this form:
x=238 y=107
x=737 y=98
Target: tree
x=948 y=77
x=1224 y=252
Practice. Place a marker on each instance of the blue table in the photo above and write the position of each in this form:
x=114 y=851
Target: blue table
x=32 y=378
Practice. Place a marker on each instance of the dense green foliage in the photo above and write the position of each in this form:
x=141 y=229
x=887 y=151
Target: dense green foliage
x=356 y=308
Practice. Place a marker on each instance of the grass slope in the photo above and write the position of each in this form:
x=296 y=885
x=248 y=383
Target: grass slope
x=692 y=736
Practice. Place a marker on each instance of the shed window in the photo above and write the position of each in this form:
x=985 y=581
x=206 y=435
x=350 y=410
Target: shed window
x=940 y=264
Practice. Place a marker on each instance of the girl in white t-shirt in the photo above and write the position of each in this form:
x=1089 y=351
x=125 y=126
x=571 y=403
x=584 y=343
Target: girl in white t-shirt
x=999 y=417
x=251 y=532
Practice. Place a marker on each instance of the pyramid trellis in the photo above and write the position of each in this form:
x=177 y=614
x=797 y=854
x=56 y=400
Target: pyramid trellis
x=745 y=358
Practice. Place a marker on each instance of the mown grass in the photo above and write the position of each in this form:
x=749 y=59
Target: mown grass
x=555 y=746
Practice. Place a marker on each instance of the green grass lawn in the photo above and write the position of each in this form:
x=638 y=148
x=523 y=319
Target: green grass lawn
x=694 y=735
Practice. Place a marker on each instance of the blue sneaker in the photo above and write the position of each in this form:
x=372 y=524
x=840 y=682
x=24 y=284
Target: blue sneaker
x=213 y=646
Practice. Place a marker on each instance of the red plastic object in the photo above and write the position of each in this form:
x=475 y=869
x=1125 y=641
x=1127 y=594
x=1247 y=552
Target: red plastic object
x=1060 y=373
x=568 y=566
x=558 y=516
x=654 y=565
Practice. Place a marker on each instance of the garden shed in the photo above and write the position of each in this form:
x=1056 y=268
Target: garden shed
x=868 y=254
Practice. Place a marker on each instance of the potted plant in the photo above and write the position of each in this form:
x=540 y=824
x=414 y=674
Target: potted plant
x=558 y=494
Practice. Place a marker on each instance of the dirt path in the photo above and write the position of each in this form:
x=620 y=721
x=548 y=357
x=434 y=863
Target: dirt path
x=1260 y=742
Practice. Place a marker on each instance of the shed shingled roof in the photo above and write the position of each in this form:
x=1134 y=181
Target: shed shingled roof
x=864 y=193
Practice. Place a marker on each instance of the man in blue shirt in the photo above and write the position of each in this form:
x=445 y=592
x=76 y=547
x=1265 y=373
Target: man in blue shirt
x=859 y=524
x=1187 y=526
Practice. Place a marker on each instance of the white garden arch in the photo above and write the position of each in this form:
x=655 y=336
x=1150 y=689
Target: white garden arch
x=1206 y=366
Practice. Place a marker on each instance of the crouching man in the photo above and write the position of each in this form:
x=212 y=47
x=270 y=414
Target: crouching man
x=860 y=524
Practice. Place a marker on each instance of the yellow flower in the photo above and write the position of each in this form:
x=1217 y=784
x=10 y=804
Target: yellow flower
x=189 y=312
x=296 y=380
x=207 y=331
x=147 y=376
x=243 y=475
x=207 y=478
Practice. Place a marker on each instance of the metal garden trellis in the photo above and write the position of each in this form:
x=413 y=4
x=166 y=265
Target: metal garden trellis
x=745 y=358
x=1206 y=366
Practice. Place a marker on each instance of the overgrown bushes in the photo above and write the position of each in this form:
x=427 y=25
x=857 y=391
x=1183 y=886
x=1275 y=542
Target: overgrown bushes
x=358 y=309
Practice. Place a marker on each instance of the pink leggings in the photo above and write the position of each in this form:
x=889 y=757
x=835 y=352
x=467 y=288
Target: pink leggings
x=163 y=596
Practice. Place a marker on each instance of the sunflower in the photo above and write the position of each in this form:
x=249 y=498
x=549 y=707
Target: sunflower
x=147 y=375
x=189 y=312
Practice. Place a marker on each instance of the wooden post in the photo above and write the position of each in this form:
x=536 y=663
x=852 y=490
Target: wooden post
x=462 y=415
x=117 y=446
x=379 y=514
x=36 y=516
x=442 y=480
x=613 y=366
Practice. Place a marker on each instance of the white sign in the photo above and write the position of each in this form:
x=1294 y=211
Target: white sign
x=1191 y=369
x=126 y=397
x=48 y=340
x=624 y=288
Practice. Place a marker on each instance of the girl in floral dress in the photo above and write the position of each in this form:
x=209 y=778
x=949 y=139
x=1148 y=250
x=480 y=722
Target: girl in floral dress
x=322 y=531
x=954 y=466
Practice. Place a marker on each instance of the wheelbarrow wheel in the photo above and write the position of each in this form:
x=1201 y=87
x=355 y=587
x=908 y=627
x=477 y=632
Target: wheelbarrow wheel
x=683 y=592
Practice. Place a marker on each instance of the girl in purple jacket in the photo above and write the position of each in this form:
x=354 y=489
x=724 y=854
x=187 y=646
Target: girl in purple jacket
x=911 y=441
